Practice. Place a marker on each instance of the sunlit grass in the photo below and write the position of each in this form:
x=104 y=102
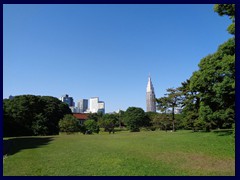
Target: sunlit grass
x=148 y=153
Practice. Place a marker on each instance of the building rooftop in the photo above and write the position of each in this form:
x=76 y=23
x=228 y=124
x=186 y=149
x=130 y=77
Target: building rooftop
x=80 y=115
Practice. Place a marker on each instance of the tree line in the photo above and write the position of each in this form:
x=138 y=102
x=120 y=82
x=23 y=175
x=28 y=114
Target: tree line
x=133 y=119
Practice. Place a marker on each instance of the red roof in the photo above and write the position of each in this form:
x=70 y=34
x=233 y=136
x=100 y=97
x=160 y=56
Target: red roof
x=81 y=116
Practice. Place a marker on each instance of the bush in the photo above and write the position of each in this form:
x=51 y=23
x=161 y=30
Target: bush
x=91 y=126
x=69 y=124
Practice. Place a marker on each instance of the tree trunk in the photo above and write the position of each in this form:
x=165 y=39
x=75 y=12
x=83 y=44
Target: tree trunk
x=173 y=118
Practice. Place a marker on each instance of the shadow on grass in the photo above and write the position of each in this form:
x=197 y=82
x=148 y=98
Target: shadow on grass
x=223 y=132
x=220 y=132
x=14 y=145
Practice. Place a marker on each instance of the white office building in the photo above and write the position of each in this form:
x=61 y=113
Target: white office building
x=96 y=106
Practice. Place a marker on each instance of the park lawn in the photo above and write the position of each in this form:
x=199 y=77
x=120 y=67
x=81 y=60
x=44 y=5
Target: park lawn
x=147 y=153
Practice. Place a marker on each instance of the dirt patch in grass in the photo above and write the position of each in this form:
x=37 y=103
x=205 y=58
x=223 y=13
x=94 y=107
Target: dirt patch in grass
x=197 y=162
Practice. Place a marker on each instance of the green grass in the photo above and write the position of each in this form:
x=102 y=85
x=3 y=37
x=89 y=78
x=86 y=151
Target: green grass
x=148 y=153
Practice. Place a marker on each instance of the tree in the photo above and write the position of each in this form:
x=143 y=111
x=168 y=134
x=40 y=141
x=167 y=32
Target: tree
x=95 y=116
x=190 y=104
x=150 y=119
x=108 y=122
x=27 y=115
x=91 y=126
x=69 y=124
x=120 y=118
x=161 y=121
x=134 y=118
x=210 y=92
x=215 y=83
x=171 y=100
x=39 y=126
x=229 y=10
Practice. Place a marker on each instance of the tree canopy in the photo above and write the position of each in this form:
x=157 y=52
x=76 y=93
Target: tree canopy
x=210 y=92
x=33 y=115
x=229 y=10
x=171 y=100
x=134 y=118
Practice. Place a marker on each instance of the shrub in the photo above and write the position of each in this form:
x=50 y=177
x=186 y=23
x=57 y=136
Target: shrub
x=69 y=124
x=91 y=126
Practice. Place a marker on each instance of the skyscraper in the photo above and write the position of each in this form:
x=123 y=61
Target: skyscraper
x=83 y=105
x=150 y=97
x=69 y=100
x=96 y=105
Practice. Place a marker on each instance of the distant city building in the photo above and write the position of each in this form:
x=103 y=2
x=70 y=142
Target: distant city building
x=93 y=104
x=96 y=106
x=101 y=107
x=69 y=100
x=11 y=97
x=150 y=97
x=82 y=105
x=178 y=110
x=73 y=109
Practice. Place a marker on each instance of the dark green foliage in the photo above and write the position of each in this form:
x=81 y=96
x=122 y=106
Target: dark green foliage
x=162 y=121
x=229 y=10
x=215 y=84
x=172 y=100
x=150 y=116
x=108 y=122
x=149 y=120
x=191 y=104
x=27 y=115
x=91 y=126
x=209 y=94
x=95 y=116
x=69 y=124
x=134 y=118
x=39 y=126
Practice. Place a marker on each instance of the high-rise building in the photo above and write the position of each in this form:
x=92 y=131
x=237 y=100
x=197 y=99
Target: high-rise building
x=69 y=100
x=150 y=97
x=82 y=105
x=101 y=107
x=96 y=106
x=93 y=104
x=11 y=97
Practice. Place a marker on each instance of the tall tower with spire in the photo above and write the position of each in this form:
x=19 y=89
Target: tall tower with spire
x=150 y=97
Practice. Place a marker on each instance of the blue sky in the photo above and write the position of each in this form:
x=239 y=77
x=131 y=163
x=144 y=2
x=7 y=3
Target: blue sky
x=106 y=50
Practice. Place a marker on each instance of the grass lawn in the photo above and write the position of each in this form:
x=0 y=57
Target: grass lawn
x=147 y=153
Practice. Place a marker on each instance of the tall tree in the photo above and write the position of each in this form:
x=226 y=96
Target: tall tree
x=215 y=83
x=171 y=100
x=190 y=104
x=210 y=91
